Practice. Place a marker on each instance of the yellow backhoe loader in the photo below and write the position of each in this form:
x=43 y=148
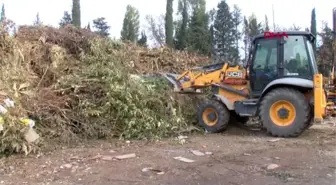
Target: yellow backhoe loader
x=280 y=84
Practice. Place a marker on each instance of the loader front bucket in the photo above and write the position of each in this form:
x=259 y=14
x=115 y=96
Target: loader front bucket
x=177 y=84
x=171 y=77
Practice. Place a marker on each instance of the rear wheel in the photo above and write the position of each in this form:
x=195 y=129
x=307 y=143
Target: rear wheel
x=213 y=116
x=285 y=112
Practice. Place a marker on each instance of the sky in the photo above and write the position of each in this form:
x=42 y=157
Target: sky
x=286 y=12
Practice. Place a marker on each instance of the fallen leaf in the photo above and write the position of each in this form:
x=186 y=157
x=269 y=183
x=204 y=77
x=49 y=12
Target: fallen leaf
x=95 y=157
x=126 y=156
x=66 y=166
x=31 y=136
x=208 y=153
x=184 y=159
x=290 y=179
x=272 y=166
x=159 y=172
x=74 y=158
x=246 y=154
x=28 y=93
x=182 y=137
x=107 y=158
x=24 y=85
x=274 y=140
x=196 y=152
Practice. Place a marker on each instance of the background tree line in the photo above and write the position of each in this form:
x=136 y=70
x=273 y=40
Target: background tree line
x=215 y=33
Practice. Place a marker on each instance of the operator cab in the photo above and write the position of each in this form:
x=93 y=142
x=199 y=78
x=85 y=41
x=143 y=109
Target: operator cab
x=283 y=57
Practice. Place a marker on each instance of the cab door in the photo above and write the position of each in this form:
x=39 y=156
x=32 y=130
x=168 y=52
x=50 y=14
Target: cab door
x=265 y=64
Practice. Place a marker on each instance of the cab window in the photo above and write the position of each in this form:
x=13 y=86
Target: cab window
x=260 y=58
x=264 y=68
x=266 y=58
x=296 y=62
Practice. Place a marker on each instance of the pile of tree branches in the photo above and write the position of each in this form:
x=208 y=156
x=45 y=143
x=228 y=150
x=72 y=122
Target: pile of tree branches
x=75 y=85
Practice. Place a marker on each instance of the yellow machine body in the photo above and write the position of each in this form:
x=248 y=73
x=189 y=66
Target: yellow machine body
x=287 y=103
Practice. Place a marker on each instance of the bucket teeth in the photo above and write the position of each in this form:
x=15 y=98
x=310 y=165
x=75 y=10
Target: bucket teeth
x=172 y=79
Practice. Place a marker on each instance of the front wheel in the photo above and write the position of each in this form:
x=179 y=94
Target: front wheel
x=213 y=116
x=285 y=112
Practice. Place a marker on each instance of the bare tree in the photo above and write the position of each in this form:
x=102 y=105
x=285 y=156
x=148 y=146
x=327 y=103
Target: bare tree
x=156 y=29
x=292 y=28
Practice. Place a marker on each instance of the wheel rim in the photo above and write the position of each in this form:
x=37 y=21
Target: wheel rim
x=282 y=113
x=210 y=116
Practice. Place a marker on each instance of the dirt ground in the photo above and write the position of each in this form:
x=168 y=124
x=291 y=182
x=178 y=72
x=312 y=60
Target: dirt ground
x=235 y=157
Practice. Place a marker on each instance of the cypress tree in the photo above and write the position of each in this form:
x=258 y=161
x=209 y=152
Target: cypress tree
x=3 y=13
x=198 y=32
x=224 y=33
x=181 y=35
x=76 y=13
x=237 y=20
x=313 y=26
x=169 y=23
x=131 y=25
x=266 y=24
x=66 y=19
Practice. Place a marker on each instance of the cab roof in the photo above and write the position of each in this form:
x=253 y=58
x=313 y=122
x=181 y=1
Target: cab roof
x=309 y=35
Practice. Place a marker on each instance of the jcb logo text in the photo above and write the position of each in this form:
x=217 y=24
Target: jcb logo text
x=234 y=74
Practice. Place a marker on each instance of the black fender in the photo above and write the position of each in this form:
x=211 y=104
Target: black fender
x=288 y=82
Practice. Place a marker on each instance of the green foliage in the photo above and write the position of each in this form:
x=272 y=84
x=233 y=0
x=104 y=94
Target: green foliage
x=313 y=29
x=3 y=13
x=223 y=33
x=88 y=27
x=254 y=27
x=246 y=26
x=198 y=31
x=325 y=51
x=131 y=25
x=246 y=37
x=37 y=21
x=266 y=24
x=101 y=26
x=251 y=28
x=143 y=40
x=66 y=19
x=169 y=23
x=89 y=94
x=182 y=25
x=14 y=74
x=76 y=13
x=237 y=20
x=212 y=43
x=113 y=103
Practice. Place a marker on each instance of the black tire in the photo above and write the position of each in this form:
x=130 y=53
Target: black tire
x=301 y=106
x=221 y=113
x=310 y=122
